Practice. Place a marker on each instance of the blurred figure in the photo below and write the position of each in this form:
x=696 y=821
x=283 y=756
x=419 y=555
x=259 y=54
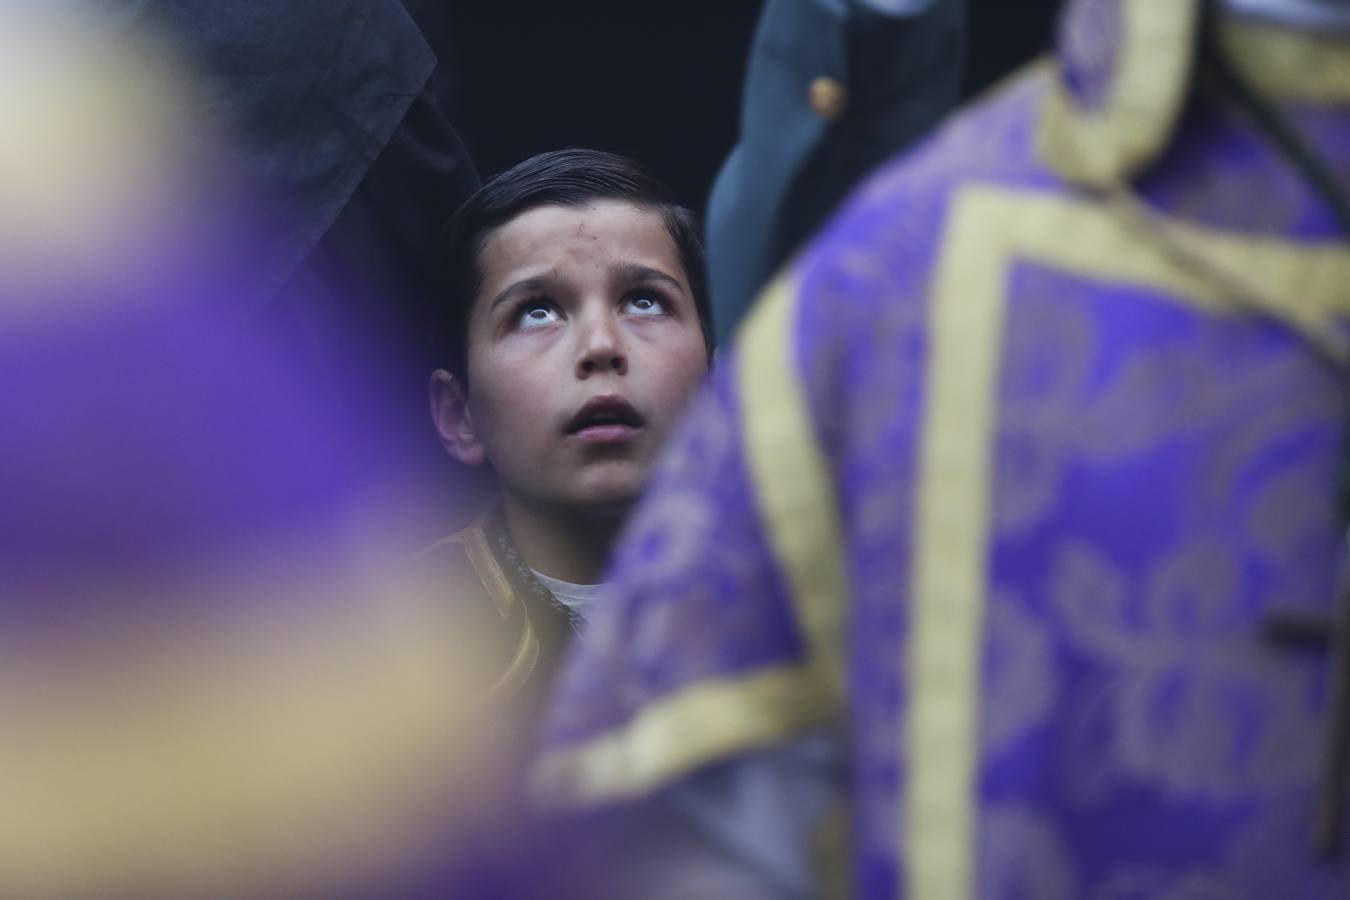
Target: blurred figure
x=834 y=88
x=1011 y=523
x=214 y=681
x=340 y=114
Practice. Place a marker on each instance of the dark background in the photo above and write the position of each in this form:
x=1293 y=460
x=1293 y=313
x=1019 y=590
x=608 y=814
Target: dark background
x=655 y=80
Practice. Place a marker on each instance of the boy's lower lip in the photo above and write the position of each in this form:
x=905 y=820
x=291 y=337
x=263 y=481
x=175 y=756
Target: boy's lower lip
x=606 y=434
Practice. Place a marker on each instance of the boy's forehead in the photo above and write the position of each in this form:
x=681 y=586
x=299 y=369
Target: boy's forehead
x=555 y=237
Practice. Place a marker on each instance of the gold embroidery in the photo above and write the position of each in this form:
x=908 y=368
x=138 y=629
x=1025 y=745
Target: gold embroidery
x=1296 y=66
x=711 y=720
x=947 y=586
x=791 y=478
x=1107 y=145
x=1249 y=273
x=1304 y=286
x=489 y=571
x=521 y=667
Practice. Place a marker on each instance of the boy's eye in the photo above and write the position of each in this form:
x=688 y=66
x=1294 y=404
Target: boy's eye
x=644 y=304
x=535 y=314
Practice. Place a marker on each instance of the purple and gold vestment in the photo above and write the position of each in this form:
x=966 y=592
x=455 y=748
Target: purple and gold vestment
x=1001 y=482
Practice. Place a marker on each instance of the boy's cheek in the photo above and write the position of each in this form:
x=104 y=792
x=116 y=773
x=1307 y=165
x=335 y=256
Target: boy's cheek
x=521 y=422
x=689 y=374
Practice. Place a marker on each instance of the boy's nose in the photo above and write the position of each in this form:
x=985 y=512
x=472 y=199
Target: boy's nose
x=602 y=348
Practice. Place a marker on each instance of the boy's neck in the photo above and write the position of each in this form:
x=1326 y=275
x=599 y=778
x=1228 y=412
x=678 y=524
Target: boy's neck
x=568 y=546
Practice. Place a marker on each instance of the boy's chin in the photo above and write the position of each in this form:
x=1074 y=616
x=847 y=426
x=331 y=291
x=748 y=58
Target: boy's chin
x=605 y=502
x=608 y=485
x=613 y=497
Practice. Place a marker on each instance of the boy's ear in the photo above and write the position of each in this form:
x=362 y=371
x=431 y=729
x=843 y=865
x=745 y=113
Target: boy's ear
x=450 y=412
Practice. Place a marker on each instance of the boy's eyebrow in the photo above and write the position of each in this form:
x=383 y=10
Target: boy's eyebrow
x=524 y=286
x=638 y=272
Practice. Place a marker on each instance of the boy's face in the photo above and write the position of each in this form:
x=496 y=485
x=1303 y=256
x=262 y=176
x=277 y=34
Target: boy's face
x=583 y=346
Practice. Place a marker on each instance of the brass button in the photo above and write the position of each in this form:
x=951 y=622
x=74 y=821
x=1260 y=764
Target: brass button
x=828 y=98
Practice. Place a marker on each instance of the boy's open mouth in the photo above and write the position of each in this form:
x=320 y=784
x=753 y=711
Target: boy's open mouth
x=606 y=418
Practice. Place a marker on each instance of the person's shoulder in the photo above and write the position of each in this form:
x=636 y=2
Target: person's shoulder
x=893 y=223
x=447 y=562
x=991 y=140
x=463 y=571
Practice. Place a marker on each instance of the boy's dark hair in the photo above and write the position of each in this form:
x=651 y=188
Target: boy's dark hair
x=558 y=178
